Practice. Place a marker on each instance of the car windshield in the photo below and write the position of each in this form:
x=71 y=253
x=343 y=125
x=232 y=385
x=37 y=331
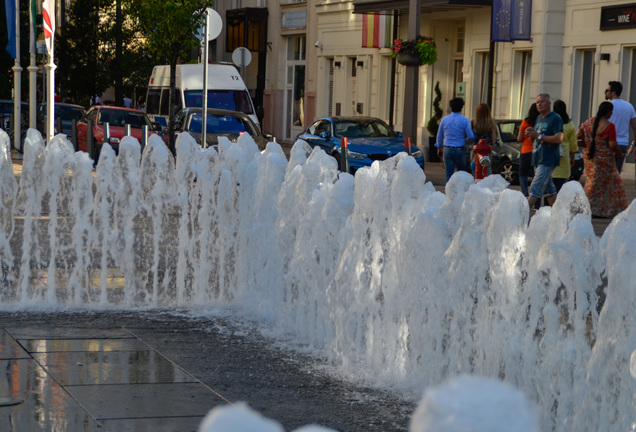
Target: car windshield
x=68 y=113
x=221 y=124
x=509 y=130
x=232 y=100
x=123 y=118
x=363 y=128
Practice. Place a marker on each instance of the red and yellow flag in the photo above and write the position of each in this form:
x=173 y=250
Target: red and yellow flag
x=376 y=30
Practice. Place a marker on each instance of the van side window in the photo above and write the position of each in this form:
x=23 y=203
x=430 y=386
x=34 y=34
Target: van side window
x=152 y=101
x=165 y=102
x=243 y=102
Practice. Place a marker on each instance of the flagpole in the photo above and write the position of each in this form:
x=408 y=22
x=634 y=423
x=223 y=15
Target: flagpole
x=17 y=84
x=50 y=100
x=48 y=15
x=33 y=69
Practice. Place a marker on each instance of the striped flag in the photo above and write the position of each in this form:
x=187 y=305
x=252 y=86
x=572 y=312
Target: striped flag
x=32 y=27
x=48 y=18
x=376 y=30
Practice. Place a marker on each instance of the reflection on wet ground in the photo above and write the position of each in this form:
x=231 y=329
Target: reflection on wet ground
x=92 y=379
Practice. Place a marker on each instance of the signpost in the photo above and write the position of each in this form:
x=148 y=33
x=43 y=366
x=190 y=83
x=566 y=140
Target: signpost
x=211 y=30
x=241 y=57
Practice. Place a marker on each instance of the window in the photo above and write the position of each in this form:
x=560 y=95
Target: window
x=482 y=70
x=461 y=36
x=583 y=85
x=521 y=99
x=233 y=100
x=295 y=85
x=165 y=102
x=152 y=101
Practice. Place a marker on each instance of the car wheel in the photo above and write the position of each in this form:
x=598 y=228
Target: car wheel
x=507 y=172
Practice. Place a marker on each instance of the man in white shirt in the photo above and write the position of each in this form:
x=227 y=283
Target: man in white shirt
x=623 y=117
x=127 y=101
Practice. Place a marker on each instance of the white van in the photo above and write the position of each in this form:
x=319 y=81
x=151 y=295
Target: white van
x=226 y=90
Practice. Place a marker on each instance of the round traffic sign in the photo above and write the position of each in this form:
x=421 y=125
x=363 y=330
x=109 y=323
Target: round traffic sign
x=215 y=25
x=241 y=56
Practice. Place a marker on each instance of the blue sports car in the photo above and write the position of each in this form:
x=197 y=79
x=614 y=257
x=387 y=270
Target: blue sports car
x=368 y=138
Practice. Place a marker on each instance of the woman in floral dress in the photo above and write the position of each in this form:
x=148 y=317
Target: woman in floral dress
x=603 y=184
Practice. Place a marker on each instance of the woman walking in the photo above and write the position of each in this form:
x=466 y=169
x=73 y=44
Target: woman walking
x=603 y=184
x=483 y=127
x=525 y=160
x=563 y=172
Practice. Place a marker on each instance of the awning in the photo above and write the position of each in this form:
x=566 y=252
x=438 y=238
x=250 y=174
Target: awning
x=366 y=6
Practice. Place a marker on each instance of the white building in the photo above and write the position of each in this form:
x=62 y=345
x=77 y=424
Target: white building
x=315 y=64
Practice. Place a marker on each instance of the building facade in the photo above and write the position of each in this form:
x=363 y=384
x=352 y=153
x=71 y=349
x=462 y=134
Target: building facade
x=317 y=64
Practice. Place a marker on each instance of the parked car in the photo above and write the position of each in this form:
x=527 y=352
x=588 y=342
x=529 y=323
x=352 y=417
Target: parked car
x=219 y=123
x=67 y=112
x=117 y=118
x=506 y=153
x=368 y=138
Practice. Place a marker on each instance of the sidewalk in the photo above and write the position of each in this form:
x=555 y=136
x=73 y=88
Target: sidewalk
x=159 y=371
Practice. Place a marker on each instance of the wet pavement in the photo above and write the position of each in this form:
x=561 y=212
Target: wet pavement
x=162 y=371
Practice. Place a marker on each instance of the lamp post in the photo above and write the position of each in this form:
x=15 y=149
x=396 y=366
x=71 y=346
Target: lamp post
x=411 y=93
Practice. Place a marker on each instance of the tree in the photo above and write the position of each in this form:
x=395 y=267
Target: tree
x=96 y=50
x=168 y=26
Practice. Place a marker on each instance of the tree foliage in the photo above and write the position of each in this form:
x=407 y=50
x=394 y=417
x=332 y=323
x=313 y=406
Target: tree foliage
x=86 y=50
x=168 y=27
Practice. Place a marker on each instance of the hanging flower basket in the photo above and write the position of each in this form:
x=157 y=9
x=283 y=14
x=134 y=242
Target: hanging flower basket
x=420 y=51
x=407 y=59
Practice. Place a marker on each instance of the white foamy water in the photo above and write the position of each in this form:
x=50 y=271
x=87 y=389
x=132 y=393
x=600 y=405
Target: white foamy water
x=395 y=283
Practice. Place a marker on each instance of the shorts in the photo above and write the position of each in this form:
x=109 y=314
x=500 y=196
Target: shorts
x=542 y=184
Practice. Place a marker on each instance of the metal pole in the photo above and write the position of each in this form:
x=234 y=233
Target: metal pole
x=204 y=109
x=344 y=155
x=144 y=138
x=128 y=130
x=33 y=95
x=106 y=138
x=50 y=100
x=90 y=142
x=17 y=84
x=411 y=91
x=74 y=134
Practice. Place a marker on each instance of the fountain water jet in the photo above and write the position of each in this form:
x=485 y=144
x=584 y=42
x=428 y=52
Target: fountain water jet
x=396 y=283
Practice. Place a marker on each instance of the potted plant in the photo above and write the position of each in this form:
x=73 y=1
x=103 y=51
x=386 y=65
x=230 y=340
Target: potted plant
x=420 y=51
x=433 y=123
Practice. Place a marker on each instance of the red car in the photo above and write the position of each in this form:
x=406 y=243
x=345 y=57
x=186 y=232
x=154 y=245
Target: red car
x=117 y=118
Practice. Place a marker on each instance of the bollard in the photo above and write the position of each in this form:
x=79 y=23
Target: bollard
x=74 y=134
x=128 y=130
x=58 y=124
x=407 y=145
x=106 y=138
x=344 y=155
x=482 y=159
x=90 y=139
x=144 y=137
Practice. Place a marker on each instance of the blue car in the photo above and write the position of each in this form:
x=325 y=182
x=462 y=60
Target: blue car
x=369 y=139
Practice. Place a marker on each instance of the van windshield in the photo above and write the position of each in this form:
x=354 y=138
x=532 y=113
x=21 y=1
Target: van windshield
x=233 y=100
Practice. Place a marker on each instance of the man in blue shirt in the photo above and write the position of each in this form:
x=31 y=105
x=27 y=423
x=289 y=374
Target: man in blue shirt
x=451 y=138
x=547 y=135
